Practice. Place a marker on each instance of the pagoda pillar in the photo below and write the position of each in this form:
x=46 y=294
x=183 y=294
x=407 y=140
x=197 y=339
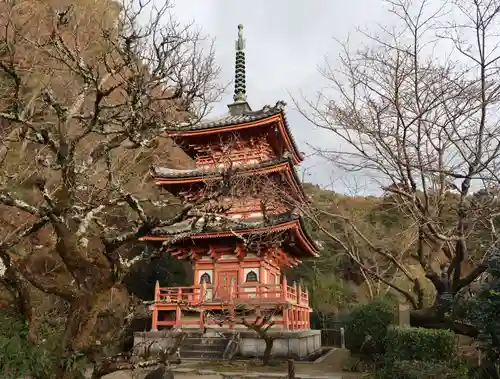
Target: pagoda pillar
x=297 y=292
x=262 y=274
x=284 y=286
x=178 y=310
x=202 y=319
x=154 y=321
x=286 y=318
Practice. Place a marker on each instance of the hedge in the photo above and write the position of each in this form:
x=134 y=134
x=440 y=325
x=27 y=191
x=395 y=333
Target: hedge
x=366 y=326
x=422 y=370
x=419 y=344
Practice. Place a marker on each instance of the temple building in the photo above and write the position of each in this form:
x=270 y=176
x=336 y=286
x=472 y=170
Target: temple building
x=244 y=227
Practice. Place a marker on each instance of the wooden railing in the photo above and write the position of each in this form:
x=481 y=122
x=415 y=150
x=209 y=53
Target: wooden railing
x=207 y=293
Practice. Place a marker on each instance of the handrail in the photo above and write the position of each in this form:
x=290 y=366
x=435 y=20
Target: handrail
x=198 y=293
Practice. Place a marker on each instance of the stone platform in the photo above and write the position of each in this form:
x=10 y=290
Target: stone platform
x=212 y=344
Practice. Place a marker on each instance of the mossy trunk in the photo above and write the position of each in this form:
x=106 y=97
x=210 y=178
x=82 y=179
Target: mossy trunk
x=79 y=331
x=267 y=352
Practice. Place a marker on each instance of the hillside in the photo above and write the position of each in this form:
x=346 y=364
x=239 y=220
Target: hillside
x=84 y=100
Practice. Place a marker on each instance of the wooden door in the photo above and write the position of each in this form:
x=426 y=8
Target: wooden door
x=224 y=281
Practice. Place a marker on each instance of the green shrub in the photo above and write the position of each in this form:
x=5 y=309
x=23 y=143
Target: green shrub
x=419 y=344
x=18 y=356
x=422 y=370
x=366 y=326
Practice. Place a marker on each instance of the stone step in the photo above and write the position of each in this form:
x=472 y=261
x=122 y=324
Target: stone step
x=207 y=341
x=201 y=354
x=198 y=346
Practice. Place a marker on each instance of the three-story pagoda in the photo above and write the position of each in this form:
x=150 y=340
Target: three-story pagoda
x=239 y=255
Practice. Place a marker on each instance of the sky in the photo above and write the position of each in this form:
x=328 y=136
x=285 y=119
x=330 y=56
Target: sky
x=286 y=41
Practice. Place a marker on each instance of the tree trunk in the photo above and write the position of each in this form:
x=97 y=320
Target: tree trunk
x=78 y=334
x=291 y=369
x=432 y=319
x=489 y=367
x=267 y=352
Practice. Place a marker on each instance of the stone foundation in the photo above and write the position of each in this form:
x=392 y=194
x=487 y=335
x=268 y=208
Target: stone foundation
x=294 y=344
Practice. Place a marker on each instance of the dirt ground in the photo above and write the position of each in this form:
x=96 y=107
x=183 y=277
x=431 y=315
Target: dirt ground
x=321 y=369
x=331 y=366
x=308 y=369
x=128 y=375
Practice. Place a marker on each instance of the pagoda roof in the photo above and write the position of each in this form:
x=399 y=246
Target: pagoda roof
x=243 y=120
x=164 y=175
x=225 y=227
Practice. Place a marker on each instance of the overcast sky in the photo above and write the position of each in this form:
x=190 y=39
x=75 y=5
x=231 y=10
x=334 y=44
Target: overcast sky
x=286 y=40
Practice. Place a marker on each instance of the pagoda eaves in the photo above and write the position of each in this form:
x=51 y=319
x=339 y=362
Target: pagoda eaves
x=303 y=246
x=268 y=116
x=169 y=177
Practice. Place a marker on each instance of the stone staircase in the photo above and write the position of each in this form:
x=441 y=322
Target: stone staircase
x=198 y=346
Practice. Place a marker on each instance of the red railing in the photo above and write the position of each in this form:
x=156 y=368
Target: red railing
x=206 y=293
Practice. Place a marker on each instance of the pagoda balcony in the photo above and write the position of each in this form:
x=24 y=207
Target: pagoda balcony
x=204 y=295
x=294 y=315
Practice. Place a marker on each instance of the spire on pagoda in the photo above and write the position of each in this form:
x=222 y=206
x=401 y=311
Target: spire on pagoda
x=240 y=105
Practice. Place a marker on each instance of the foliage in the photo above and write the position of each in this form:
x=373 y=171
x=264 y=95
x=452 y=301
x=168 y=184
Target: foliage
x=482 y=309
x=366 y=326
x=419 y=344
x=422 y=370
x=328 y=293
x=420 y=353
x=18 y=355
x=168 y=270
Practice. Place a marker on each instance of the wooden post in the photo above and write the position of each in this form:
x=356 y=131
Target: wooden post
x=203 y=292
x=261 y=280
x=154 y=319
x=178 y=316
x=291 y=369
x=157 y=291
x=202 y=319
x=284 y=286
x=232 y=293
x=286 y=323
x=178 y=312
x=298 y=292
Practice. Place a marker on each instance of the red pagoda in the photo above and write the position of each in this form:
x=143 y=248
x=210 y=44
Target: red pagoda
x=260 y=154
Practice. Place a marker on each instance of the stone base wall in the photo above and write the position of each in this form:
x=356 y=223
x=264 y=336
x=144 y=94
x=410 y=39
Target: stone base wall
x=294 y=344
x=297 y=345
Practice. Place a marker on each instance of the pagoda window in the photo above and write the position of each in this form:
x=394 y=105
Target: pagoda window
x=251 y=277
x=205 y=278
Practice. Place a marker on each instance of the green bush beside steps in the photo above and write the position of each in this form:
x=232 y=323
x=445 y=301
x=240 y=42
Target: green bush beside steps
x=419 y=344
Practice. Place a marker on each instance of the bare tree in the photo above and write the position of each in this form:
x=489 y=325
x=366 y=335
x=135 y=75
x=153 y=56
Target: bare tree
x=418 y=109
x=256 y=318
x=82 y=105
x=350 y=249
x=107 y=365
